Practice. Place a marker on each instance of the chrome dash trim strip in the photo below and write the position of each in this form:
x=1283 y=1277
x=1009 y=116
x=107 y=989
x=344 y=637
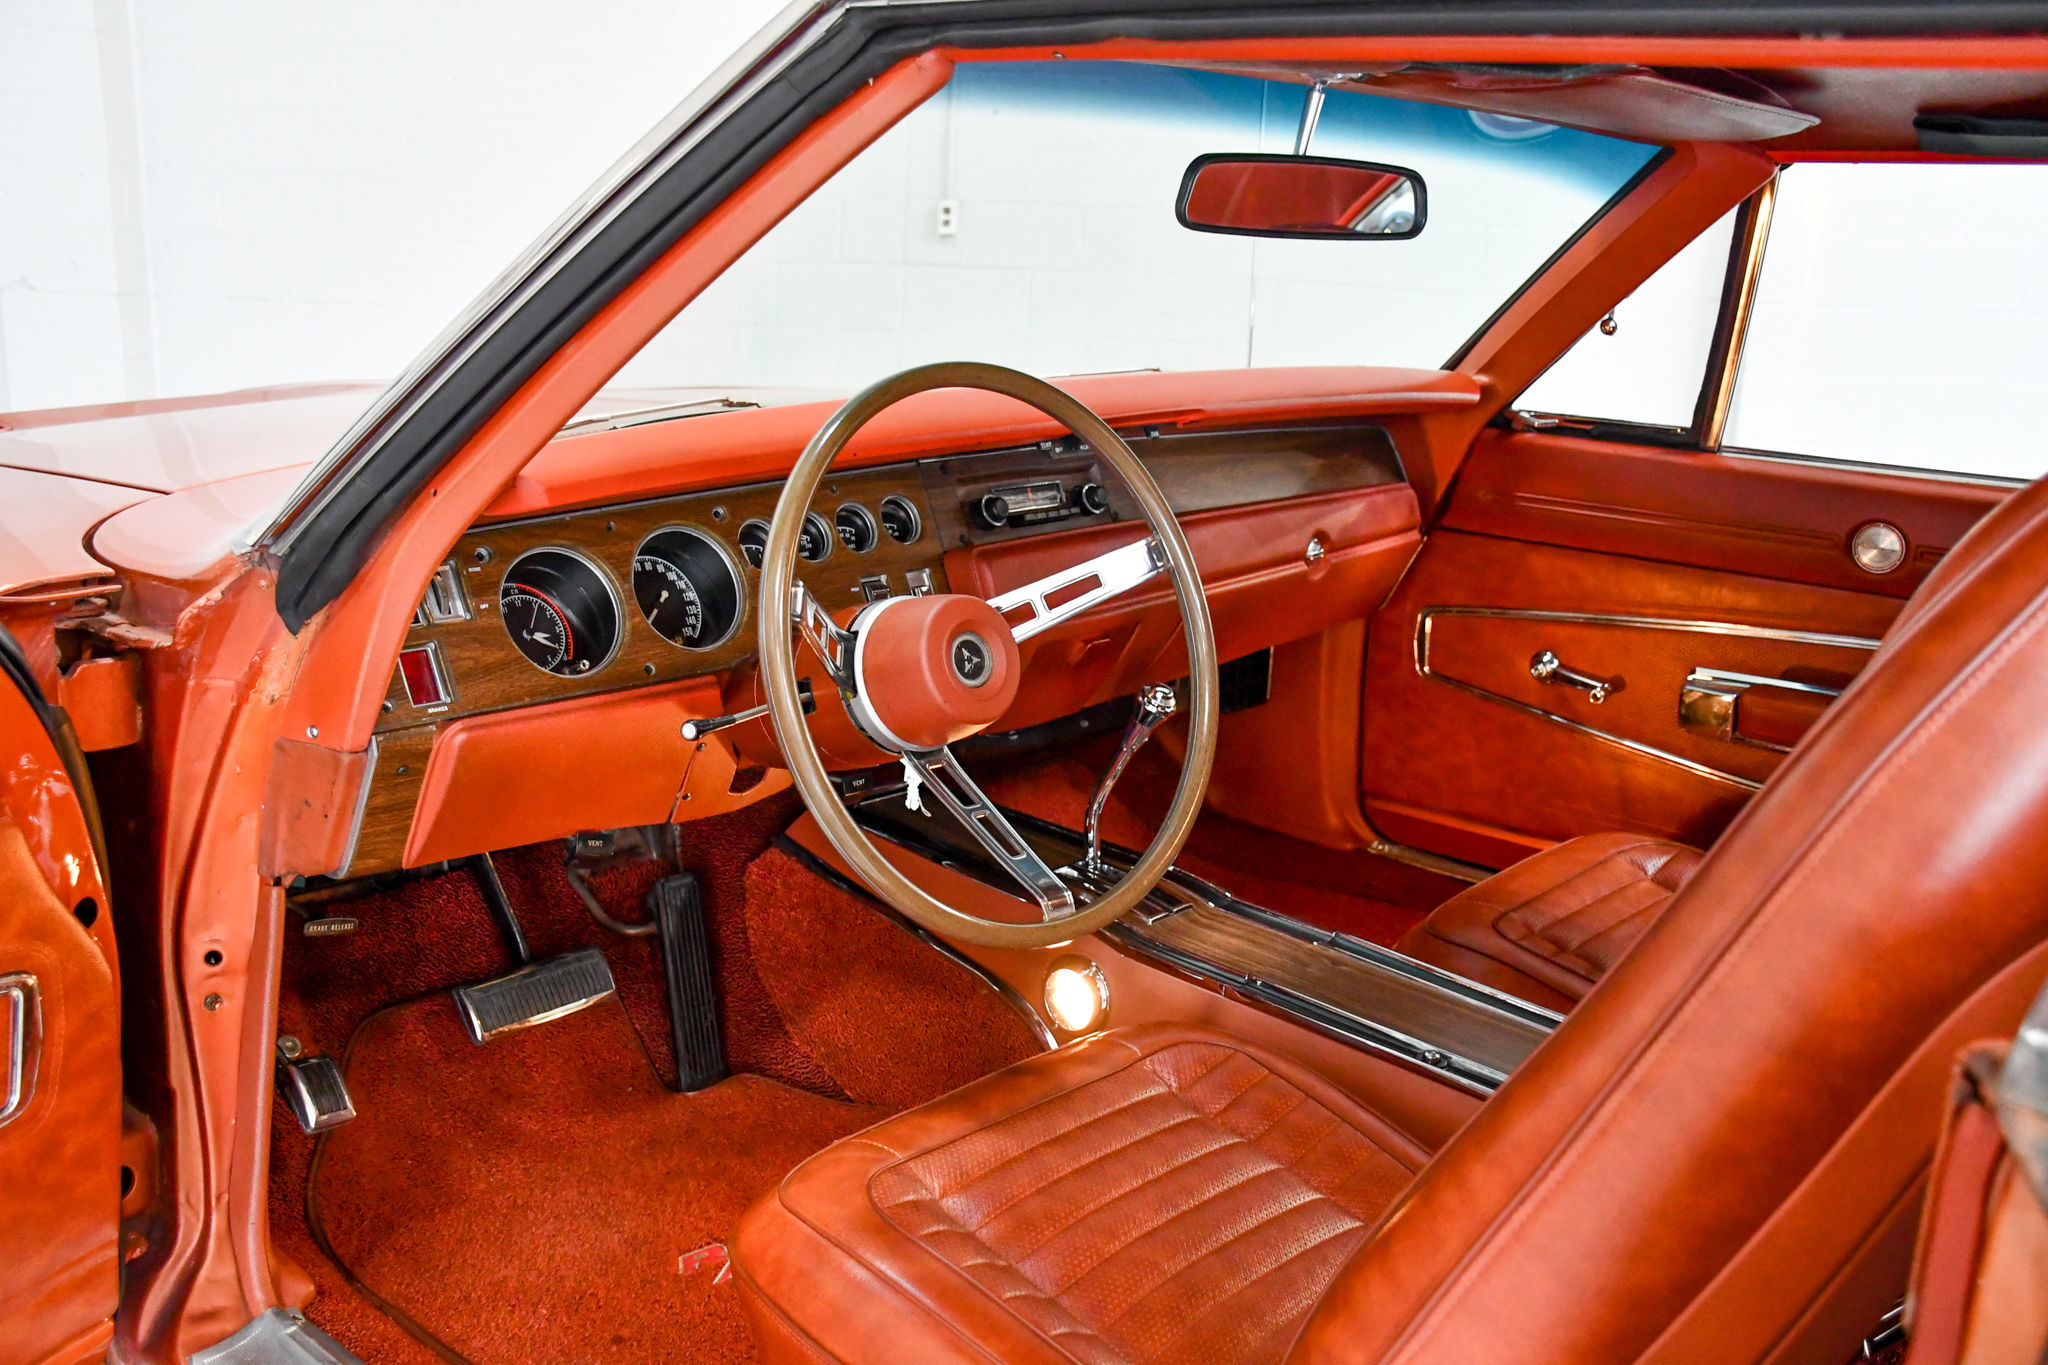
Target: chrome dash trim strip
x=355 y=824
x=1427 y=617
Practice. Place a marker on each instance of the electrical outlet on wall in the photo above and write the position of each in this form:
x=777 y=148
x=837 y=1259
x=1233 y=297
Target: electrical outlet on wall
x=949 y=217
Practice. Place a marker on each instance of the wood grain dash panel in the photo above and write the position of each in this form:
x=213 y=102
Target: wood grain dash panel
x=484 y=671
x=400 y=765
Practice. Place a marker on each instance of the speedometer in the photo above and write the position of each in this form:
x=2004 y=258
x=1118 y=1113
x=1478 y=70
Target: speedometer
x=687 y=588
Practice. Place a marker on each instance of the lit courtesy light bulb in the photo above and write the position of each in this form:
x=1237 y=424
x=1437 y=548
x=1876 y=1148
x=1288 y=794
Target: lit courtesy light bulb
x=1076 y=995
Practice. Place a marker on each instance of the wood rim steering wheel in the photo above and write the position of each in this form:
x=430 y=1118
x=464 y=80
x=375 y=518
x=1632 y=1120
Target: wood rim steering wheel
x=918 y=673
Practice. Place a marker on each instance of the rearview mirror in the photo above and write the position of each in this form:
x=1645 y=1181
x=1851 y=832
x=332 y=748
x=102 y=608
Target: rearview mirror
x=1317 y=197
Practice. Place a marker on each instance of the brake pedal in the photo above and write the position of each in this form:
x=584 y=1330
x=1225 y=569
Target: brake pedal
x=678 y=907
x=313 y=1089
x=533 y=994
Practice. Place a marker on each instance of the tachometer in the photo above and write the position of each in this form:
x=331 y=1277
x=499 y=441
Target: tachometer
x=686 y=588
x=560 y=611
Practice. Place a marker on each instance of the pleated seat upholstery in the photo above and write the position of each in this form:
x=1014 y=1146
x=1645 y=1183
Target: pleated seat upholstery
x=1160 y=1194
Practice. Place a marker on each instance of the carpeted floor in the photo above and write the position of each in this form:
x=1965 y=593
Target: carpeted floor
x=529 y=1202
x=891 y=1020
x=836 y=1015
x=1348 y=891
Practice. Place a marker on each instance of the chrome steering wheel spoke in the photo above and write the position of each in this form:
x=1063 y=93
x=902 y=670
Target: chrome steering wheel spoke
x=940 y=774
x=1115 y=573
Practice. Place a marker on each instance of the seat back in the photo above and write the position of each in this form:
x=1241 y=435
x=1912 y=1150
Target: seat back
x=1719 y=1155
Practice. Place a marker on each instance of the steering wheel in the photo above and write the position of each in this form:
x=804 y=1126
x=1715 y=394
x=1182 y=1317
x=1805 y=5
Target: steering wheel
x=918 y=674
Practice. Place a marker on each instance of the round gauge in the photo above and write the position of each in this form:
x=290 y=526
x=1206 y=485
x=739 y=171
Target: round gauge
x=686 y=588
x=814 y=542
x=754 y=541
x=856 y=528
x=900 y=519
x=560 y=611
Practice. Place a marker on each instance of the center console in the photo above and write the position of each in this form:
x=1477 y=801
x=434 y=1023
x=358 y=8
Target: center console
x=1347 y=988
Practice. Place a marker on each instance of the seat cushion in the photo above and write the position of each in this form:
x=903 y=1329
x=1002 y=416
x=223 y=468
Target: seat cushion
x=1550 y=926
x=1156 y=1194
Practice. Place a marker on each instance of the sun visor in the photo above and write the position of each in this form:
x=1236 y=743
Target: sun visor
x=1628 y=101
x=1635 y=102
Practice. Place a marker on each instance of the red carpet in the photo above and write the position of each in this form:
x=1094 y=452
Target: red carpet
x=526 y=1202
x=817 y=991
x=893 y=1022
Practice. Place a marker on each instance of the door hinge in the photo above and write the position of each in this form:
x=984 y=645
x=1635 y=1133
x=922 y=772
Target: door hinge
x=103 y=698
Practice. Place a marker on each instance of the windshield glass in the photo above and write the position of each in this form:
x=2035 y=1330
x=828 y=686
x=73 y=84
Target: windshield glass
x=1025 y=215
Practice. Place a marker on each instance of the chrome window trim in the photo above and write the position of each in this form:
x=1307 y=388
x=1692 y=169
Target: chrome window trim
x=1902 y=471
x=1426 y=618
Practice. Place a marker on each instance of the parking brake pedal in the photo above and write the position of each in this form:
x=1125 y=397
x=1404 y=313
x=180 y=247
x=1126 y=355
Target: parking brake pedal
x=678 y=908
x=533 y=994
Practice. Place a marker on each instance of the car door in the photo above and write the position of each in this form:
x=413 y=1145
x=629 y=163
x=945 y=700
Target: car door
x=1715 y=602
x=1627 y=622
x=60 y=1058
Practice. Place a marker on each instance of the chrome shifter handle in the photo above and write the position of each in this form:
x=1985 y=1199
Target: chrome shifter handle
x=1156 y=705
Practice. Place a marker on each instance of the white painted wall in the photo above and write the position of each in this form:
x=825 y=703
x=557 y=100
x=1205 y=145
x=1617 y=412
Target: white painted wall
x=1901 y=319
x=199 y=195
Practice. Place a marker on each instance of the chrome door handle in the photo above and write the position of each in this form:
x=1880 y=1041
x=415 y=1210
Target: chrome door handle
x=22 y=1002
x=1546 y=667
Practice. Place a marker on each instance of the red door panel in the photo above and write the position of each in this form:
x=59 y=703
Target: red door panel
x=1635 y=581
x=60 y=1061
x=1773 y=518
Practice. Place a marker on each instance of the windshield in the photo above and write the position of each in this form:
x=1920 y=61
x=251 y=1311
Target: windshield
x=1025 y=215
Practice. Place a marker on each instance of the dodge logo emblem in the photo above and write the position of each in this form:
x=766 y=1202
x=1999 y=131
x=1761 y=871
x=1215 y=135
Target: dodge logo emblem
x=971 y=660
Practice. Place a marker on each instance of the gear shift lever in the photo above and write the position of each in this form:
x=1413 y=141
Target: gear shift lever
x=1156 y=705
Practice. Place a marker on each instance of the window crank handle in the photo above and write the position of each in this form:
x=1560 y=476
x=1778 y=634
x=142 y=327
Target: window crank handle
x=1546 y=667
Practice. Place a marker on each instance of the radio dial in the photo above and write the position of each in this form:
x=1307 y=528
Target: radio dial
x=995 y=509
x=1092 y=498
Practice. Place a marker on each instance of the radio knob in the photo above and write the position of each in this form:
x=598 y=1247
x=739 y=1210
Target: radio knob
x=994 y=509
x=1092 y=498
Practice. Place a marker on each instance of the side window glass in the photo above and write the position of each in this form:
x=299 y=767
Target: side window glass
x=1644 y=365
x=1901 y=319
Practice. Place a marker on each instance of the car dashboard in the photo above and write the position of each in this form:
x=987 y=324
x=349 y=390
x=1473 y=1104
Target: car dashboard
x=543 y=679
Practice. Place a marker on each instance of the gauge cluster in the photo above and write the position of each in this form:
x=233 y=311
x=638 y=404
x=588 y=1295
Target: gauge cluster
x=617 y=597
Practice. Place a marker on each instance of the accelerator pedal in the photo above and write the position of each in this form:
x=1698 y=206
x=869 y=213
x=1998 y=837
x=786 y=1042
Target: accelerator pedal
x=533 y=994
x=678 y=907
